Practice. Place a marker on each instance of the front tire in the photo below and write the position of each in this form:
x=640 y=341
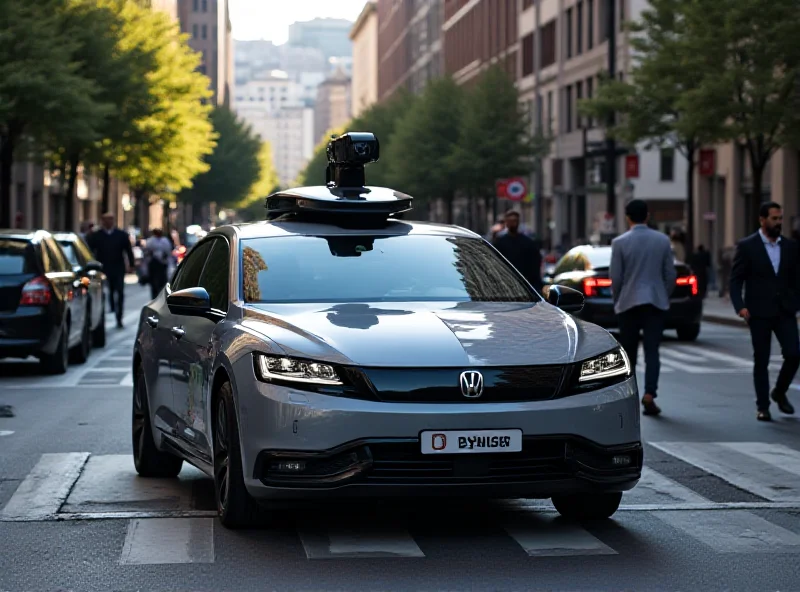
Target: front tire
x=587 y=506
x=688 y=332
x=148 y=460
x=235 y=507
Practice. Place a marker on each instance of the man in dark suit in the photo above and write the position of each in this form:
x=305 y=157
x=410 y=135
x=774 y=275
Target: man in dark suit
x=765 y=265
x=111 y=245
x=522 y=251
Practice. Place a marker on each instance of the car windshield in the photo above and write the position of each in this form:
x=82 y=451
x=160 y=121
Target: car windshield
x=16 y=257
x=69 y=251
x=404 y=268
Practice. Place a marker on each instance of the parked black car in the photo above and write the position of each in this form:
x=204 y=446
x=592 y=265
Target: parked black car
x=85 y=265
x=585 y=268
x=43 y=302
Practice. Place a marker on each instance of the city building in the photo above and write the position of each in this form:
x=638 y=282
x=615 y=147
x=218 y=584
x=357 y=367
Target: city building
x=364 y=36
x=329 y=35
x=410 y=44
x=208 y=23
x=332 y=108
x=168 y=6
x=253 y=57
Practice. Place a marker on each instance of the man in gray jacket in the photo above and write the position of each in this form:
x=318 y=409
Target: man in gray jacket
x=642 y=280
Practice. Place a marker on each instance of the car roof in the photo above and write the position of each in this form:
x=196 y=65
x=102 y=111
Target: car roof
x=20 y=234
x=65 y=236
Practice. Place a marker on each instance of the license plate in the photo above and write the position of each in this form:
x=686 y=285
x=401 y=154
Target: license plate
x=471 y=441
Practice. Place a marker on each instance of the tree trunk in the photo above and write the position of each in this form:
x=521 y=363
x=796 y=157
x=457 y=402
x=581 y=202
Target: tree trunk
x=106 y=188
x=69 y=196
x=7 y=142
x=689 y=245
x=755 y=202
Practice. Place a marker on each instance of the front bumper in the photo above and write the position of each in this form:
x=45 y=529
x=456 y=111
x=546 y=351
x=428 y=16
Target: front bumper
x=353 y=448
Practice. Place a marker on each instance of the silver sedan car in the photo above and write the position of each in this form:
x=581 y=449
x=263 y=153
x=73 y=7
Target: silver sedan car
x=335 y=351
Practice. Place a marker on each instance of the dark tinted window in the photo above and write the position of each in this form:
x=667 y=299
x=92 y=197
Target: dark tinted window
x=377 y=269
x=188 y=274
x=17 y=256
x=215 y=275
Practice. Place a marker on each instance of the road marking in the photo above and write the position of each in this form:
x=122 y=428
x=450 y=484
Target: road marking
x=731 y=464
x=776 y=455
x=733 y=532
x=550 y=537
x=358 y=542
x=5 y=433
x=128 y=380
x=46 y=487
x=169 y=541
x=661 y=490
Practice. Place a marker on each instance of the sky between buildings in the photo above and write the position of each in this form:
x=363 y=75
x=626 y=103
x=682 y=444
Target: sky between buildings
x=270 y=19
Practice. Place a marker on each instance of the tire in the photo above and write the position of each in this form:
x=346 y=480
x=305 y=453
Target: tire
x=235 y=507
x=588 y=506
x=58 y=362
x=148 y=460
x=80 y=353
x=99 y=334
x=688 y=332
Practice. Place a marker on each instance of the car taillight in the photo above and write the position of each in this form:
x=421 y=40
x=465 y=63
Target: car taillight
x=36 y=292
x=689 y=281
x=590 y=285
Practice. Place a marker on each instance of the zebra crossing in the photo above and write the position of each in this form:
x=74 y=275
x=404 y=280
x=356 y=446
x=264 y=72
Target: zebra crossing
x=697 y=359
x=173 y=521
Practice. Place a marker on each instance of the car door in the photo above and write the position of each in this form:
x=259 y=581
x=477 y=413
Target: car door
x=195 y=351
x=161 y=335
x=60 y=273
x=96 y=279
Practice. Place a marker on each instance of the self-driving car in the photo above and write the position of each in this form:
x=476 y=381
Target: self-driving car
x=338 y=350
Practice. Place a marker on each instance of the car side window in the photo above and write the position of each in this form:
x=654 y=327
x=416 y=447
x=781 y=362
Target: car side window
x=188 y=275
x=215 y=275
x=58 y=260
x=84 y=253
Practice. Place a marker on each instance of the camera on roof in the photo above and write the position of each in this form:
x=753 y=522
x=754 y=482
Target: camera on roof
x=353 y=149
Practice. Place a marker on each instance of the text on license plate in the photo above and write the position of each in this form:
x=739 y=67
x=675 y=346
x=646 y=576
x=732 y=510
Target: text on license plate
x=470 y=441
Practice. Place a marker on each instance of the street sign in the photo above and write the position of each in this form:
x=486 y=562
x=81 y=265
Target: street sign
x=632 y=166
x=514 y=189
x=707 y=162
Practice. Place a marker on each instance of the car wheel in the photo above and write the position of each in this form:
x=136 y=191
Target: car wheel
x=688 y=332
x=99 y=334
x=148 y=460
x=58 y=362
x=80 y=353
x=589 y=506
x=235 y=507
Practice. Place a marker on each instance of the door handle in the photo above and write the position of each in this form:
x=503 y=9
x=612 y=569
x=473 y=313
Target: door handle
x=152 y=321
x=178 y=332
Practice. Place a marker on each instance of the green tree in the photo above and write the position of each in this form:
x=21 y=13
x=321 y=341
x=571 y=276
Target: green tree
x=497 y=139
x=750 y=56
x=653 y=107
x=419 y=153
x=233 y=167
x=41 y=87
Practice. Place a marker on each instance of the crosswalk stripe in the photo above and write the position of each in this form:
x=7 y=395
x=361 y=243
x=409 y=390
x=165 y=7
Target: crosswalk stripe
x=541 y=536
x=733 y=532
x=653 y=487
x=362 y=541
x=46 y=487
x=738 y=468
x=777 y=455
x=161 y=541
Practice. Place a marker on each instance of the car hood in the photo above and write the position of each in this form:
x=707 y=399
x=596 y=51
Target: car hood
x=429 y=334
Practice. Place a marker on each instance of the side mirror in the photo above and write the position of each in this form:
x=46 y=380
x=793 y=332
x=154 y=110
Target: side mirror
x=191 y=302
x=566 y=299
x=93 y=266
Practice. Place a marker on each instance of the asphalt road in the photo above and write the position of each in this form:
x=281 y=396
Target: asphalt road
x=718 y=507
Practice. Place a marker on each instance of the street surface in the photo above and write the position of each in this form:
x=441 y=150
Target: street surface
x=718 y=507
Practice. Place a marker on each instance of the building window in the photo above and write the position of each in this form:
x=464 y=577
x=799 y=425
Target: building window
x=667 y=164
x=550 y=115
x=568 y=33
x=196 y=5
x=568 y=108
x=548 y=44
x=589 y=24
x=579 y=29
x=205 y=5
x=589 y=95
x=527 y=54
x=205 y=31
x=621 y=15
x=195 y=31
x=578 y=97
x=526 y=4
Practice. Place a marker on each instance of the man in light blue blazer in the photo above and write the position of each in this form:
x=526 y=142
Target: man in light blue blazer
x=642 y=280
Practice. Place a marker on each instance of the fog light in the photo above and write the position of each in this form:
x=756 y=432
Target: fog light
x=289 y=466
x=621 y=460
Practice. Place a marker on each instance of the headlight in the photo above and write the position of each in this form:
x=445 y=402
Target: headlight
x=614 y=363
x=282 y=368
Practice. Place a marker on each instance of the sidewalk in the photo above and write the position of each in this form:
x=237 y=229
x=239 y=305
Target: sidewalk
x=720 y=310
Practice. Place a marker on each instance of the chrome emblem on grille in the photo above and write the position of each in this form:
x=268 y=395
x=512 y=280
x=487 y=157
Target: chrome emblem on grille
x=471 y=384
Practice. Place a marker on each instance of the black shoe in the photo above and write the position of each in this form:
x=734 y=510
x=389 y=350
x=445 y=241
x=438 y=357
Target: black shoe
x=650 y=407
x=119 y=325
x=783 y=403
x=764 y=415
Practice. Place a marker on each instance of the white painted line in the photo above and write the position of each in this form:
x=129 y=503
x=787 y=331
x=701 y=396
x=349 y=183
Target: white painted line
x=128 y=380
x=548 y=537
x=46 y=487
x=733 y=532
x=743 y=471
x=169 y=541
x=777 y=455
x=683 y=507
x=5 y=433
x=654 y=487
x=359 y=542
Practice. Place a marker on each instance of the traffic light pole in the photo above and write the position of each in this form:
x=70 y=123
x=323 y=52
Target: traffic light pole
x=611 y=148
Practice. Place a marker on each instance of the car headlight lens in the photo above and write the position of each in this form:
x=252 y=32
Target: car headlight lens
x=283 y=368
x=613 y=363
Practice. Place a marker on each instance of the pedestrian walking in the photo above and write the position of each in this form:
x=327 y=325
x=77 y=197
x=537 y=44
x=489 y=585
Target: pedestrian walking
x=158 y=249
x=522 y=251
x=111 y=246
x=765 y=265
x=642 y=280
